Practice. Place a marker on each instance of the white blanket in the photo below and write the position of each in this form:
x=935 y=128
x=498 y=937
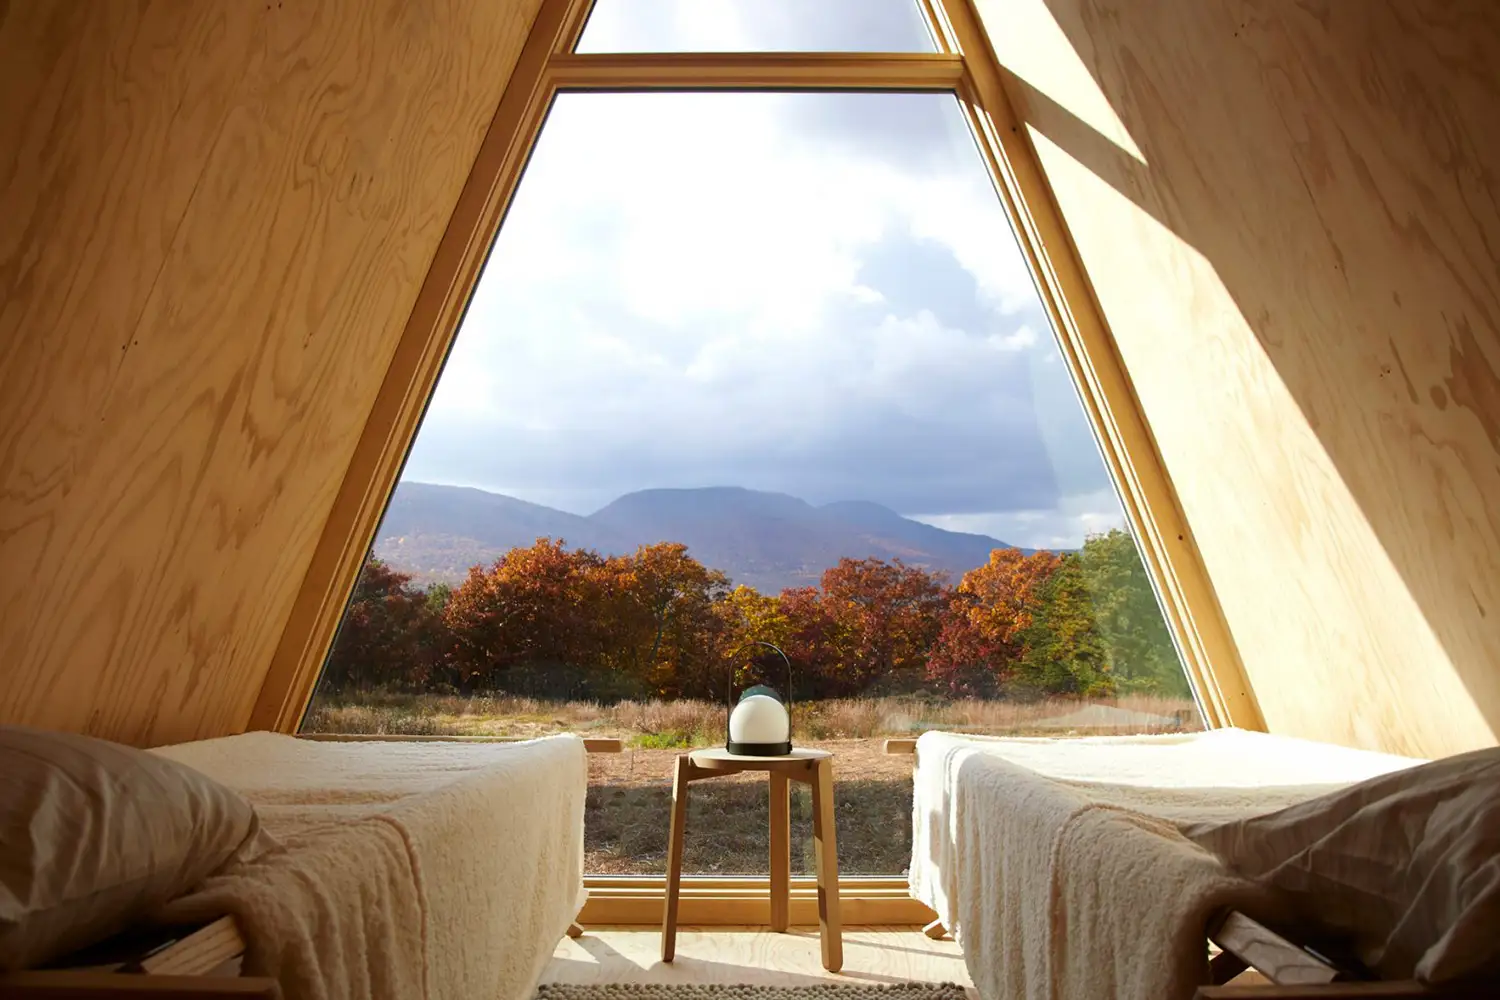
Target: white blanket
x=402 y=870
x=1058 y=865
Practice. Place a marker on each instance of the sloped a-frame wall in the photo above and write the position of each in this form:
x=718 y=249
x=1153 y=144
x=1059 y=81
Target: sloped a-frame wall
x=1290 y=216
x=215 y=220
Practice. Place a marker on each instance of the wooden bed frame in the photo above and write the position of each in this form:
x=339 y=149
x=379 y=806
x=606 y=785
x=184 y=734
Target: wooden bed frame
x=199 y=964
x=203 y=963
x=1294 y=972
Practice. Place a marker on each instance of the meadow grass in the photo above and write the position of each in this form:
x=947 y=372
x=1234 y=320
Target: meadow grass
x=699 y=723
x=630 y=793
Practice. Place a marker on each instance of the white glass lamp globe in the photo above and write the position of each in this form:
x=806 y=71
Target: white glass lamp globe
x=759 y=726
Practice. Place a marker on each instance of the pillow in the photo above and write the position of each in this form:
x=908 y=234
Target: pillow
x=94 y=835
x=1404 y=869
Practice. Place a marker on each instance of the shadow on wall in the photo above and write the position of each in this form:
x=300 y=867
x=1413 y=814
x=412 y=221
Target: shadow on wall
x=1341 y=179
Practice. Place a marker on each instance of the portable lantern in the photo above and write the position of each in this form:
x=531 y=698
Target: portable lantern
x=760 y=725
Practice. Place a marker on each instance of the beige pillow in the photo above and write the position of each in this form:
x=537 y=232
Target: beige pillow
x=95 y=835
x=1403 y=869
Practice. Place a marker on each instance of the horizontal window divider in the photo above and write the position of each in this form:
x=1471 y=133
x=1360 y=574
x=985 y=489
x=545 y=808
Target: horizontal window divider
x=628 y=884
x=591 y=744
x=746 y=910
x=903 y=71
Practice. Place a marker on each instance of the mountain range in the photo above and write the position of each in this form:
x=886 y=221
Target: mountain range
x=767 y=540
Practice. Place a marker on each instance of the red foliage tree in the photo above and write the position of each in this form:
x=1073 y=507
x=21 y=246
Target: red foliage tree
x=876 y=622
x=392 y=635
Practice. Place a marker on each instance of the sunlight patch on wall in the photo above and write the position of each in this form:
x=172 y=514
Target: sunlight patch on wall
x=1050 y=64
x=1253 y=468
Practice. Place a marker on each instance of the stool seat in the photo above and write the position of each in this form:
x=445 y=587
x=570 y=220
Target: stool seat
x=814 y=768
x=719 y=759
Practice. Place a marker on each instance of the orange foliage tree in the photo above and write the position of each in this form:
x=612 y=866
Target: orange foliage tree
x=536 y=607
x=990 y=612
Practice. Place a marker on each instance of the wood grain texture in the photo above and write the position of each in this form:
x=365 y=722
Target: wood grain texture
x=422 y=347
x=215 y=220
x=1288 y=214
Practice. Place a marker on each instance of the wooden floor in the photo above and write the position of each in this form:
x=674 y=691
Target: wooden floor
x=754 y=955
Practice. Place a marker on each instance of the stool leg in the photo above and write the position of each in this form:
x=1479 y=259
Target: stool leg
x=826 y=857
x=674 y=859
x=781 y=852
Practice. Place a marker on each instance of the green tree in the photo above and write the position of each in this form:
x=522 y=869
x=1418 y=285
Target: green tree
x=1062 y=650
x=1142 y=657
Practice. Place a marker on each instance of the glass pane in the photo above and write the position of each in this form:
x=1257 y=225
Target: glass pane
x=756 y=26
x=754 y=368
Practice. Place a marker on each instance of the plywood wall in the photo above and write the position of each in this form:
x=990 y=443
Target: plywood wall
x=214 y=219
x=1290 y=215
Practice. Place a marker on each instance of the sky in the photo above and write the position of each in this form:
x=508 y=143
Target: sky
x=816 y=294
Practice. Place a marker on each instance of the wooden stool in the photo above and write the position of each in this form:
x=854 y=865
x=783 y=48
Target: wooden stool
x=815 y=767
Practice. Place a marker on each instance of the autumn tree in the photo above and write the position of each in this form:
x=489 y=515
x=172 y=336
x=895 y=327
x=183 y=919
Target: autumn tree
x=536 y=606
x=390 y=635
x=658 y=618
x=884 y=617
x=750 y=617
x=981 y=641
x=814 y=641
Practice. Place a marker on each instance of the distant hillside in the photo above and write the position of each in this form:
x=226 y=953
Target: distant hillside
x=767 y=540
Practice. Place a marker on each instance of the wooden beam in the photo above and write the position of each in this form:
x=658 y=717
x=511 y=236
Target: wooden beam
x=901 y=71
x=900 y=746
x=720 y=911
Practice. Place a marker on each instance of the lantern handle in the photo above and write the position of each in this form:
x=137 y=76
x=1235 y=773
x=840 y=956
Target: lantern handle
x=729 y=700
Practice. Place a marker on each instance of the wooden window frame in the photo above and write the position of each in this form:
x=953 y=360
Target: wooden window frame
x=964 y=65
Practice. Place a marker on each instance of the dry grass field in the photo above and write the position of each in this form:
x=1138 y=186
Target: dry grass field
x=630 y=793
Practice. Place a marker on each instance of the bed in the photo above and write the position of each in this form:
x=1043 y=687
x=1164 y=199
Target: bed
x=398 y=870
x=1077 y=868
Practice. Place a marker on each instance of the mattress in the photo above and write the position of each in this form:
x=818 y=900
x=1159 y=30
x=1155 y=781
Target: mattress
x=440 y=870
x=1059 y=865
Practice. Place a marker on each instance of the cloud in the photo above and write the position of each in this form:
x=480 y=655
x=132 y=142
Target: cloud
x=738 y=289
x=755 y=25
x=1061 y=527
